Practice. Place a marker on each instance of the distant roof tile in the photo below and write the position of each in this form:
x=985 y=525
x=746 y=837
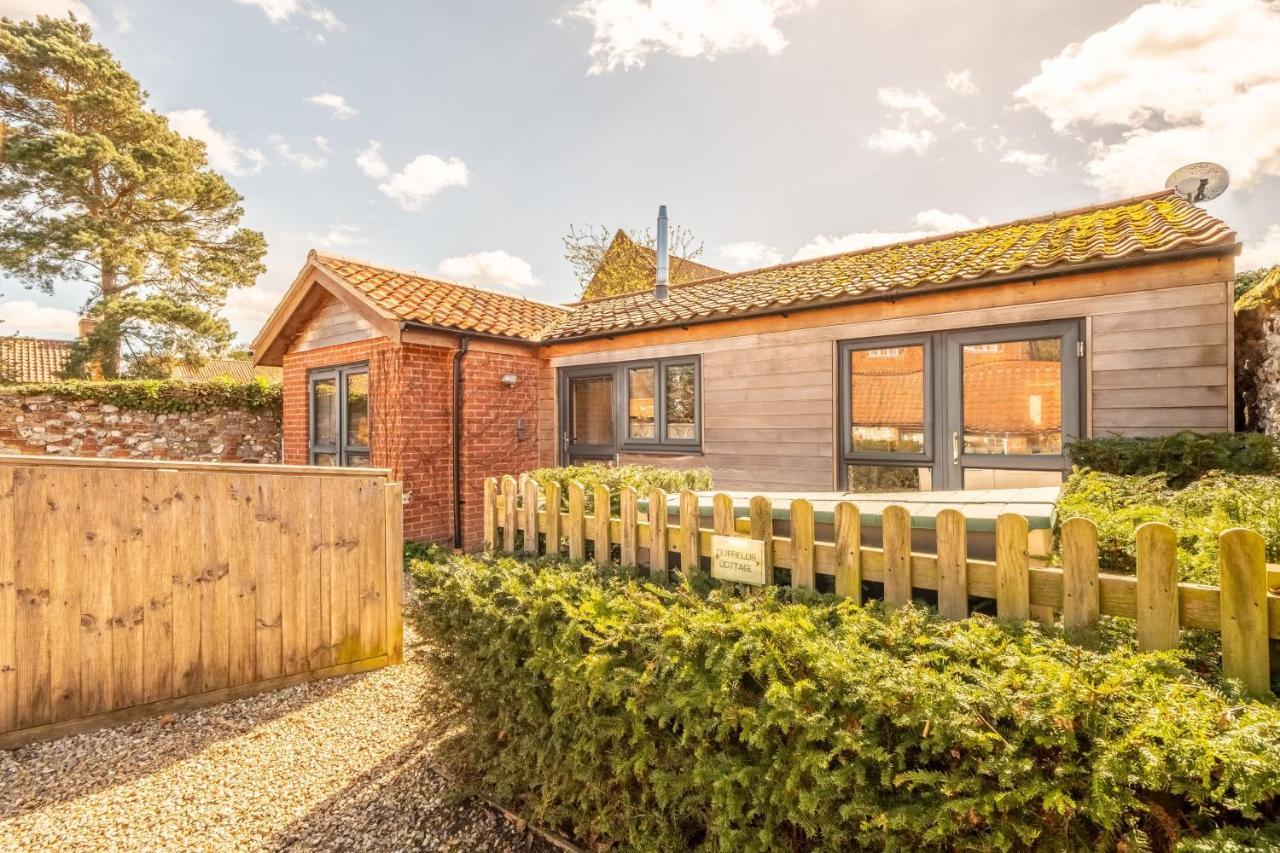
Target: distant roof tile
x=225 y=368
x=33 y=359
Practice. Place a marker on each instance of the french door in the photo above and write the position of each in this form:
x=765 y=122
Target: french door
x=590 y=411
x=986 y=408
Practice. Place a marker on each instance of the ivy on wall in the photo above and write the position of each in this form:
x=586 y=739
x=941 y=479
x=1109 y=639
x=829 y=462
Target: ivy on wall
x=161 y=396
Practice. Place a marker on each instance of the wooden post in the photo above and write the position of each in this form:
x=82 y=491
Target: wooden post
x=531 y=516
x=490 y=513
x=658 y=535
x=552 y=522
x=848 y=552
x=509 y=514
x=761 y=527
x=1013 y=571
x=394 y=565
x=722 y=514
x=802 y=555
x=895 y=527
x=1157 y=593
x=630 y=515
x=603 y=549
x=953 y=564
x=1245 y=621
x=1080 y=604
x=689 y=532
x=577 y=522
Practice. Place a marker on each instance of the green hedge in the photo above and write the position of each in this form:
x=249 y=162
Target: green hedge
x=659 y=719
x=642 y=478
x=161 y=396
x=1181 y=457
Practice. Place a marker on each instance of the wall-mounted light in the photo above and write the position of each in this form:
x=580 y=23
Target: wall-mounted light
x=509 y=379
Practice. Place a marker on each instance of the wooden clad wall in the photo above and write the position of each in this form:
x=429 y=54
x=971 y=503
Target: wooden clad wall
x=135 y=587
x=1159 y=360
x=332 y=323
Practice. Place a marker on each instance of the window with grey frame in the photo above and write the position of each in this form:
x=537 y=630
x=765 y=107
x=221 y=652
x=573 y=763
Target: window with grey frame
x=339 y=417
x=656 y=406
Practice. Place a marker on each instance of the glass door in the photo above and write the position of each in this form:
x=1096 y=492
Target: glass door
x=1013 y=405
x=589 y=417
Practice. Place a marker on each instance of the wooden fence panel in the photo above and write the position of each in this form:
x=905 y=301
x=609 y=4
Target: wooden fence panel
x=553 y=520
x=761 y=527
x=490 y=514
x=689 y=523
x=722 y=514
x=1157 y=587
x=1080 y=603
x=509 y=510
x=953 y=564
x=1013 y=584
x=1245 y=649
x=135 y=587
x=601 y=543
x=529 y=496
x=658 y=534
x=629 y=512
x=803 y=574
x=896 y=524
x=848 y=535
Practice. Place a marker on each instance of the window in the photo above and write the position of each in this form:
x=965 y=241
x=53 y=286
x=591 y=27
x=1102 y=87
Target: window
x=641 y=405
x=886 y=405
x=340 y=418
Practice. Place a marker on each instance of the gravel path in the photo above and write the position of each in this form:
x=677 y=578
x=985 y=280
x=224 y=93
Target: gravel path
x=338 y=764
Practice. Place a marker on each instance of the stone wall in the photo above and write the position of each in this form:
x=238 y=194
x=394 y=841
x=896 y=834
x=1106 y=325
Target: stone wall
x=48 y=425
x=1258 y=357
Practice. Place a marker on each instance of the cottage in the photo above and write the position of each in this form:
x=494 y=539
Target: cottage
x=967 y=360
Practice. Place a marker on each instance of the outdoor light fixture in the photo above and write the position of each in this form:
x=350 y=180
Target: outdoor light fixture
x=509 y=379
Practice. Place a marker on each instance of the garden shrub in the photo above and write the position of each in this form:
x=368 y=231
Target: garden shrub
x=1198 y=513
x=655 y=718
x=1181 y=457
x=642 y=478
x=161 y=396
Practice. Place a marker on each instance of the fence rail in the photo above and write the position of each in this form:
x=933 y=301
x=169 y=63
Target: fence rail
x=519 y=517
x=129 y=588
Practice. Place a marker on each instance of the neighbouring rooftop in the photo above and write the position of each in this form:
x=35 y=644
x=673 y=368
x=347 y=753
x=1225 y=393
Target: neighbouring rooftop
x=33 y=359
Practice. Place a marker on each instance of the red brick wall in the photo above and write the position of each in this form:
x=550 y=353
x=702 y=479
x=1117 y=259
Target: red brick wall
x=411 y=387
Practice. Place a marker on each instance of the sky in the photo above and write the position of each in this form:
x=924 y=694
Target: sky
x=462 y=138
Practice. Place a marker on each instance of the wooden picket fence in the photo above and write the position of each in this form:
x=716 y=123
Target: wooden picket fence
x=519 y=517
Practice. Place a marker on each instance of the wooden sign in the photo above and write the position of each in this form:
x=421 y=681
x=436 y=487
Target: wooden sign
x=738 y=559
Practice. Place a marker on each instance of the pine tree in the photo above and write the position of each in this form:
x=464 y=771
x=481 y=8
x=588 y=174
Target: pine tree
x=96 y=187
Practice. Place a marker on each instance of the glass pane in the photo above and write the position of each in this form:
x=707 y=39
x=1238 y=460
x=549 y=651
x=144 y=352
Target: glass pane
x=640 y=403
x=869 y=479
x=325 y=460
x=357 y=410
x=1013 y=397
x=887 y=400
x=324 y=412
x=681 y=402
x=358 y=460
x=591 y=408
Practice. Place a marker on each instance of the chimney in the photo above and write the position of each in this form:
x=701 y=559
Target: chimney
x=661 y=287
x=86 y=326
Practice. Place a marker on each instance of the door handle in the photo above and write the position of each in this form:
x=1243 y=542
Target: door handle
x=955 y=447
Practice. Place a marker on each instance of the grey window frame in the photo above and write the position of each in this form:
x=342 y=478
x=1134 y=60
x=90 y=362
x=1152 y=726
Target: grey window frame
x=343 y=447
x=622 y=442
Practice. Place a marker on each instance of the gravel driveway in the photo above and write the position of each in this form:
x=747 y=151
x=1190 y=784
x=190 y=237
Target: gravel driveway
x=338 y=764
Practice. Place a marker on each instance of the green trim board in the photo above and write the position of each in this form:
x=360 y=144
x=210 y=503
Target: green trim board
x=981 y=507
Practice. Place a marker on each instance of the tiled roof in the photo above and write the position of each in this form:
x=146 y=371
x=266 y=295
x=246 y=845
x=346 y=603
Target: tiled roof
x=225 y=368
x=629 y=261
x=1147 y=225
x=438 y=303
x=33 y=359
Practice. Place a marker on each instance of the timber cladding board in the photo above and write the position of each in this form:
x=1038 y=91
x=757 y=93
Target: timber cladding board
x=332 y=323
x=772 y=380
x=143 y=584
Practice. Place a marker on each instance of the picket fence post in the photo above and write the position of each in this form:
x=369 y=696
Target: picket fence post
x=1245 y=620
x=895 y=528
x=1013 y=565
x=1080 y=603
x=577 y=522
x=722 y=514
x=630 y=515
x=530 y=516
x=490 y=514
x=600 y=537
x=658 y=535
x=953 y=564
x=1157 y=593
x=509 y=514
x=802 y=554
x=553 y=520
x=761 y=527
x=689 y=521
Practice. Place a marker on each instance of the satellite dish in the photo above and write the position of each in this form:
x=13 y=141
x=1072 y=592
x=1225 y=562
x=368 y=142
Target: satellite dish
x=1199 y=182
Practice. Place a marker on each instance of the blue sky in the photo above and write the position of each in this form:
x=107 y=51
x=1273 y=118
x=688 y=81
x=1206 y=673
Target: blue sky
x=461 y=139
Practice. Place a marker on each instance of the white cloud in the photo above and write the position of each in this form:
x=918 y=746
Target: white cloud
x=122 y=16
x=322 y=143
x=370 y=161
x=962 y=83
x=247 y=308
x=225 y=152
x=24 y=317
x=912 y=109
x=423 y=177
x=304 y=161
x=1183 y=80
x=27 y=9
x=285 y=12
x=929 y=223
x=1036 y=163
x=339 y=237
x=490 y=268
x=626 y=32
x=337 y=103
x=748 y=254
x=1261 y=253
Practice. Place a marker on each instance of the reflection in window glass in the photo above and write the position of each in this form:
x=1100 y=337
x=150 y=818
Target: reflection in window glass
x=887 y=399
x=870 y=479
x=325 y=460
x=680 y=402
x=1013 y=397
x=324 y=408
x=358 y=460
x=591 y=402
x=357 y=411
x=640 y=408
